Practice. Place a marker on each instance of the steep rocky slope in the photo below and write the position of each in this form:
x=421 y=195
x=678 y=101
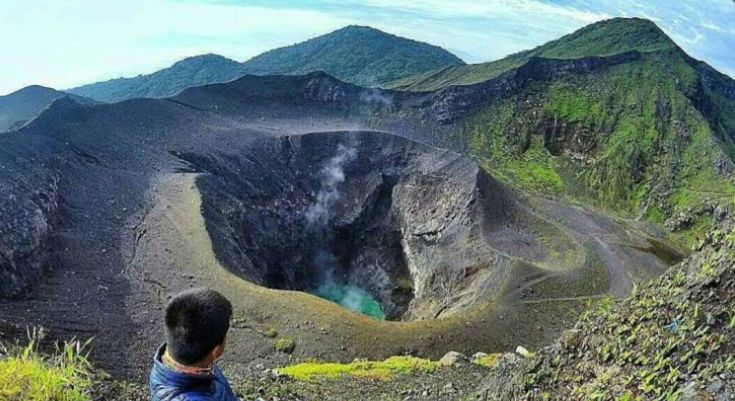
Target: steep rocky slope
x=356 y=54
x=673 y=339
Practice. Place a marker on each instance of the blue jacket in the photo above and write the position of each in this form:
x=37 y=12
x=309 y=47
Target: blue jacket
x=170 y=385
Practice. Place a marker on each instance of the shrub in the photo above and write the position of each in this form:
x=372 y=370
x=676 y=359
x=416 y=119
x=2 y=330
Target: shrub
x=286 y=345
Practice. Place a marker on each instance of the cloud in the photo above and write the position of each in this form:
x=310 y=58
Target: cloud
x=479 y=8
x=81 y=41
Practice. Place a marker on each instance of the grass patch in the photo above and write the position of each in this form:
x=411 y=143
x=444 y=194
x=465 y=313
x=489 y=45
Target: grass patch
x=487 y=361
x=376 y=370
x=270 y=332
x=533 y=169
x=27 y=375
x=285 y=345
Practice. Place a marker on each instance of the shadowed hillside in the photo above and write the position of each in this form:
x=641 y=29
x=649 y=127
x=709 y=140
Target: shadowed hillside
x=25 y=104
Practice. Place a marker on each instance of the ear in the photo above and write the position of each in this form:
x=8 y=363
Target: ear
x=219 y=350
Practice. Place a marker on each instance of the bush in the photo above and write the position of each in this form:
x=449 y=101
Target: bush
x=27 y=375
x=285 y=345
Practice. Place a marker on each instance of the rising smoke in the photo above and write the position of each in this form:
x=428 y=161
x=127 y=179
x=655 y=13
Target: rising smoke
x=331 y=175
x=317 y=217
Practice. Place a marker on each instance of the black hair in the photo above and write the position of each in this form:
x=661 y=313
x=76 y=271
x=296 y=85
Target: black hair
x=196 y=321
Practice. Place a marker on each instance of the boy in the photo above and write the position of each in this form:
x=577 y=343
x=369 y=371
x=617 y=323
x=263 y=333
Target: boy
x=184 y=367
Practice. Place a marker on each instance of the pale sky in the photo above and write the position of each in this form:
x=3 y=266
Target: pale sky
x=62 y=44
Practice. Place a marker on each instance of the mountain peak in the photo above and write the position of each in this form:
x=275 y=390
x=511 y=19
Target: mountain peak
x=615 y=35
x=33 y=90
x=357 y=54
x=202 y=59
x=360 y=29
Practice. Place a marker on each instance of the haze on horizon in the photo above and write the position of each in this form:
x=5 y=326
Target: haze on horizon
x=84 y=41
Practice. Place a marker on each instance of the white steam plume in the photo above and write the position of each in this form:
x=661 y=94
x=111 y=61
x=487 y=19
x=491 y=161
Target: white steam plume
x=331 y=175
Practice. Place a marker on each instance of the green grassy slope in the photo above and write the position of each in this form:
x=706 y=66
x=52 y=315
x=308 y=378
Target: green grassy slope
x=600 y=39
x=647 y=138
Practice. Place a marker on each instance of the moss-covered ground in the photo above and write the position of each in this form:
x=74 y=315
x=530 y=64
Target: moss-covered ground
x=628 y=140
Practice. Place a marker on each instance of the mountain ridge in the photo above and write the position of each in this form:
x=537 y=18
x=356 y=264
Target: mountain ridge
x=356 y=54
x=603 y=38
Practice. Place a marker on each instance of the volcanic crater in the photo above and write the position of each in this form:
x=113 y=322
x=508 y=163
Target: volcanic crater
x=414 y=226
x=186 y=192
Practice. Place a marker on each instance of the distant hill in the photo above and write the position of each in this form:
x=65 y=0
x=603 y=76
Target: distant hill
x=25 y=104
x=355 y=54
x=603 y=38
x=191 y=71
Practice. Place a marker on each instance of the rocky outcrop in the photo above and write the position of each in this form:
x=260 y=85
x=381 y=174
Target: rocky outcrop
x=455 y=102
x=26 y=224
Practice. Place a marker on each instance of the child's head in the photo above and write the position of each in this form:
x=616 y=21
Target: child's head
x=197 y=322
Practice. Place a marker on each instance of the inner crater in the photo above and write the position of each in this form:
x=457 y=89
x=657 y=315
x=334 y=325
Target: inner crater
x=382 y=225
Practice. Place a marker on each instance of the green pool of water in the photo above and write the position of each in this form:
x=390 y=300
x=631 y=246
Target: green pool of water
x=351 y=297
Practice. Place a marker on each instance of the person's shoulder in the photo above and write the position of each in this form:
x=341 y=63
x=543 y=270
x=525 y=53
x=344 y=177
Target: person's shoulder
x=224 y=385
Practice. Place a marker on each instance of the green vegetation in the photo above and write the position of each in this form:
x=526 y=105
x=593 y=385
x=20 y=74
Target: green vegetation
x=604 y=38
x=642 y=138
x=458 y=75
x=532 y=168
x=27 y=375
x=189 y=72
x=378 y=370
x=627 y=139
x=608 y=37
x=356 y=54
x=285 y=345
x=487 y=361
x=270 y=332
x=676 y=330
